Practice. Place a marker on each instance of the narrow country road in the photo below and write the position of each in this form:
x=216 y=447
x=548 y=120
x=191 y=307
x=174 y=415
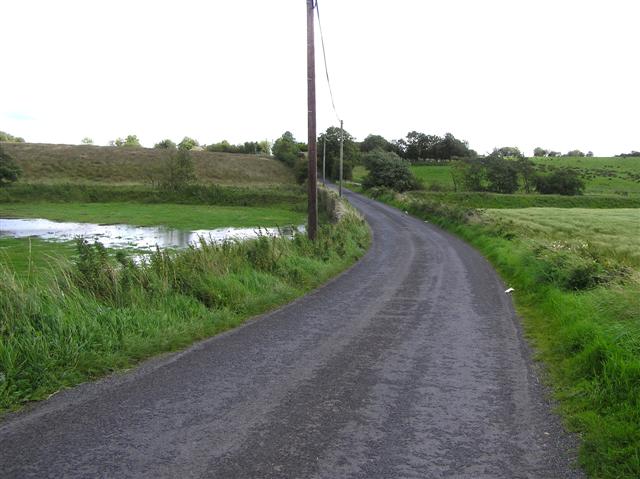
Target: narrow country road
x=410 y=365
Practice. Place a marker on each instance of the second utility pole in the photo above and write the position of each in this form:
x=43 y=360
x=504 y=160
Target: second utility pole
x=312 y=226
x=341 y=153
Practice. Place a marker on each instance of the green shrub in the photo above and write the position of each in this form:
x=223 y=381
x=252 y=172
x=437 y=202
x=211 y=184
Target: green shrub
x=388 y=170
x=561 y=182
x=9 y=170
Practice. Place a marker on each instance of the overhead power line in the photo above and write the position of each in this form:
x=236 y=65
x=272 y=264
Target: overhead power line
x=324 y=57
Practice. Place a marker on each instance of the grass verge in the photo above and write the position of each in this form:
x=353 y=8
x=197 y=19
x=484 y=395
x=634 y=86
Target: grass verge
x=103 y=313
x=580 y=300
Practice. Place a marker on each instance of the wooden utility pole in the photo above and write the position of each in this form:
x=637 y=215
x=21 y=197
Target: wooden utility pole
x=312 y=226
x=341 y=153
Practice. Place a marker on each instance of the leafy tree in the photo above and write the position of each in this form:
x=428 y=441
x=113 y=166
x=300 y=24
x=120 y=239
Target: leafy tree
x=373 y=142
x=574 y=153
x=420 y=145
x=561 y=182
x=539 y=152
x=286 y=149
x=470 y=174
x=553 y=154
x=129 y=141
x=10 y=138
x=264 y=147
x=449 y=148
x=165 y=144
x=527 y=170
x=87 y=141
x=501 y=174
x=506 y=152
x=187 y=143
x=9 y=170
x=351 y=153
x=589 y=154
x=389 y=170
x=178 y=171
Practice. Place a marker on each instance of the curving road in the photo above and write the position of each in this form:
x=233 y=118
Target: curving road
x=411 y=364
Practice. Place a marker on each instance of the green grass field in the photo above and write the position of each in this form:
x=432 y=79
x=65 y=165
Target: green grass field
x=44 y=163
x=614 y=233
x=603 y=176
x=469 y=199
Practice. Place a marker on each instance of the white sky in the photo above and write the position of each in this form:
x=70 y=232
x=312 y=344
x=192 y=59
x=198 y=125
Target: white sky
x=561 y=74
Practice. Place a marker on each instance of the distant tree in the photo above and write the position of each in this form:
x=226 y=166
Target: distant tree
x=187 y=143
x=87 y=141
x=539 y=152
x=10 y=138
x=574 y=153
x=264 y=147
x=389 y=170
x=9 y=170
x=450 y=148
x=286 y=149
x=631 y=154
x=372 y=142
x=351 y=155
x=553 y=154
x=420 y=145
x=178 y=171
x=562 y=182
x=129 y=141
x=506 y=152
x=589 y=154
x=165 y=144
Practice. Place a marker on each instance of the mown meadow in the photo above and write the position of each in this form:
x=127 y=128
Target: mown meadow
x=74 y=311
x=574 y=262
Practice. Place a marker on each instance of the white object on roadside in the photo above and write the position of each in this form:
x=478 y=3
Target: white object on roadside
x=509 y=291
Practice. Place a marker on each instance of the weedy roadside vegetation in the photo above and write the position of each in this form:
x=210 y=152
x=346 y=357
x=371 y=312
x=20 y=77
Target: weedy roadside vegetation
x=103 y=312
x=576 y=274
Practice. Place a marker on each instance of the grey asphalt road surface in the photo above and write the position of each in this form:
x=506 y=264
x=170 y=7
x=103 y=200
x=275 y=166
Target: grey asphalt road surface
x=411 y=364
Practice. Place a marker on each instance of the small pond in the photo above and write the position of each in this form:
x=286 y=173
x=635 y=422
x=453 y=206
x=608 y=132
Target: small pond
x=128 y=236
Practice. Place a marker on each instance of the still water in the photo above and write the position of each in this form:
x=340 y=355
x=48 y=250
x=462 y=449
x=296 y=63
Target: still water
x=127 y=236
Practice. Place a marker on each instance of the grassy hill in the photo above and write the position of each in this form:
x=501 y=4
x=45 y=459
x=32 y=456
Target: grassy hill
x=46 y=163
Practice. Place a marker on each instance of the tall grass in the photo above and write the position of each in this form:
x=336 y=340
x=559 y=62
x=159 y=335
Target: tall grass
x=581 y=307
x=103 y=313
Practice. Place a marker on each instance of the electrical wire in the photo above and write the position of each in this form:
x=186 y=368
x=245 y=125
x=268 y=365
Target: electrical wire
x=324 y=56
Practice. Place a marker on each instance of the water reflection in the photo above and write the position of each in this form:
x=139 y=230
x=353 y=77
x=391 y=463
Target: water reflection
x=127 y=236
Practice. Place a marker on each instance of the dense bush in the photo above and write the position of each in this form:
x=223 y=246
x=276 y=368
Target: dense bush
x=389 y=170
x=166 y=144
x=178 y=171
x=286 y=149
x=10 y=138
x=561 y=182
x=9 y=170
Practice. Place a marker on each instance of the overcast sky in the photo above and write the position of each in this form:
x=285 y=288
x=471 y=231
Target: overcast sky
x=561 y=74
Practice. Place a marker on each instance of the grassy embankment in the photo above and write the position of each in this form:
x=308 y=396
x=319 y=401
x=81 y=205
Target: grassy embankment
x=576 y=274
x=80 y=315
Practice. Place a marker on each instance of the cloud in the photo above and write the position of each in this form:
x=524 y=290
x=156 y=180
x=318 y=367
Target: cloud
x=19 y=116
